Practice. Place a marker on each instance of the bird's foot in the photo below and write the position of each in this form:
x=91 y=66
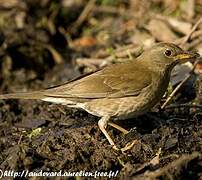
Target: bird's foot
x=127 y=147
x=115 y=148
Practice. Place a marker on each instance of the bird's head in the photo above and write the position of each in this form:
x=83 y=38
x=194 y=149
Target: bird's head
x=168 y=55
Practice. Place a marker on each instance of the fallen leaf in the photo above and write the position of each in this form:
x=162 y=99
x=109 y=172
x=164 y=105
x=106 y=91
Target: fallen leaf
x=180 y=72
x=198 y=69
x=85 y=41
x=187 y=7
x=142 y=38
x=30 y=123
x=161 y=31
x=180 y=26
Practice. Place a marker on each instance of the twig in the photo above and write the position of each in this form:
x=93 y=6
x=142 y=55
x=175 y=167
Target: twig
x=173 y=168
x=84 y=14
x=194 y=43
x=183 y=106
x=170 y=97
x=119 y=55
x=196 y=34
x=153 y=162
x=186 y=38
x=111 y=9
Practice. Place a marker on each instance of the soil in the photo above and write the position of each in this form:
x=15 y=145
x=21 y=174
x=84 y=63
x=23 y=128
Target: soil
x=36 y=135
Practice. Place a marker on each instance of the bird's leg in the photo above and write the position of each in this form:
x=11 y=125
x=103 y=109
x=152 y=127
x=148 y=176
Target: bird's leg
x=124 y=131
x=102 y=123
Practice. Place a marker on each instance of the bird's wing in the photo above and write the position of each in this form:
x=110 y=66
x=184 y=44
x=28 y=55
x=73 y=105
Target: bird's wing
x=115 y=81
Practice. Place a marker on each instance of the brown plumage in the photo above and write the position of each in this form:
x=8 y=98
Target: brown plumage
x=118 y=91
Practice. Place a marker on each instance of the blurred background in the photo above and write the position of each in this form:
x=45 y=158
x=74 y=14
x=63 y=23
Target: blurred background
x=36 y=36
x=47 y=42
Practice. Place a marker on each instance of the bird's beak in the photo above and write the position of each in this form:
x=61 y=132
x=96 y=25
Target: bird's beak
x=186 y=56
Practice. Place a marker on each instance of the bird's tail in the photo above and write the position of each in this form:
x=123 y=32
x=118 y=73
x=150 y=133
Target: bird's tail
x=24 y=95
x=38 y=95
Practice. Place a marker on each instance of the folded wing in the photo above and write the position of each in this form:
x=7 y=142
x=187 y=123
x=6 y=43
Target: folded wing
x=115 y=81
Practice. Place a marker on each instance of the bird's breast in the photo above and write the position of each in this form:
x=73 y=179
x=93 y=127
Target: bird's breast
x=160 y=84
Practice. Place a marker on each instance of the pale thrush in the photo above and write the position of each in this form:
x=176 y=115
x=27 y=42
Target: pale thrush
x=119 y=91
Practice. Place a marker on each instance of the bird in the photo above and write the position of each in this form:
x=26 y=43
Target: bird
x=119 y=91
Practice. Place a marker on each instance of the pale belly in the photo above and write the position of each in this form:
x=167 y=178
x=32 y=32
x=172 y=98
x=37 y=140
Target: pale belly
x=120 y=108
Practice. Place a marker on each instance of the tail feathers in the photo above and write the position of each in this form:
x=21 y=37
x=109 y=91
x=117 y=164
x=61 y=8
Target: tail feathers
x=23 y=95
x=38 y=95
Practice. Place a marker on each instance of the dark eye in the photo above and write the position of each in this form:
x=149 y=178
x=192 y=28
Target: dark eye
x=168 y=52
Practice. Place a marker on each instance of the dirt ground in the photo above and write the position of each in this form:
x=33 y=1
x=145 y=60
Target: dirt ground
x=45 y=43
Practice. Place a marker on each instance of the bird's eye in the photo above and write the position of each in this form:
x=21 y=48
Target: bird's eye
x=168 y=52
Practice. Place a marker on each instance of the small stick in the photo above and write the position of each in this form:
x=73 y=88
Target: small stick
x=186 y=38
x=84 y=14
x=194 y=43
x=196 y=34
x=170 y=97
x=111 y=9
x=120 y=55
x=184 y=105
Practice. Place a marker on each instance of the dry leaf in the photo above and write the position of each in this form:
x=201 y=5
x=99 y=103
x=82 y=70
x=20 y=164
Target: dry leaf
x=161 y=31
x=9 y=3
x=180 y=72
x=85 y=41
x=198 y=69
x=142 y=38
x=187 y=7
x=180 y=26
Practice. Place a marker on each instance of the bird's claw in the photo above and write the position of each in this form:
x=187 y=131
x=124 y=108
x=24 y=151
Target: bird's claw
x=127 y=147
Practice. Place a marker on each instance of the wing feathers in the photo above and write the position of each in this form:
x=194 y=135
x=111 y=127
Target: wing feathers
x=115 y=81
